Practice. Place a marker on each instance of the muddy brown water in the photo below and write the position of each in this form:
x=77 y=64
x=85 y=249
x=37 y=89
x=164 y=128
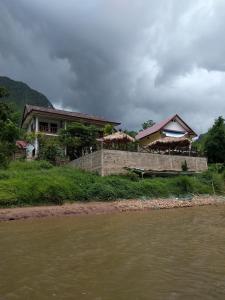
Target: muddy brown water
x=163 y=254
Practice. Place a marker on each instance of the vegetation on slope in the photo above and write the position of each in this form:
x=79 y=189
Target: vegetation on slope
x=38 y=182
x=212 y=143
x=9 y=132
x=21 y=94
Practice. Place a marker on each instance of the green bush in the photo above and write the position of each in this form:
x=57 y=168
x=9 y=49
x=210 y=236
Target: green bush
x=184 y=166
x=185 y=184
x=43 y=164
x=99 y=191
x=35 y=165
x=218 y=183
x=132 y=176
x=4 y=175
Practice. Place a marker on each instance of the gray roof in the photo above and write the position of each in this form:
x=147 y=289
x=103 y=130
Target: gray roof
x=64 y=114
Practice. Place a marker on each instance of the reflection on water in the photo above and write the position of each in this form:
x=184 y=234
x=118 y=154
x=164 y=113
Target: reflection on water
x=165 y=254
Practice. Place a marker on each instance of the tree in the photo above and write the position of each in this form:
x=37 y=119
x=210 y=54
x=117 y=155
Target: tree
x=3 y=92
x=50 y=149
x=108 y=129
x=215 y=142
x=199 y=144
x=147 y=124
x=130 y=132
x=15 y=114
x=79 y=138
x=9 y=132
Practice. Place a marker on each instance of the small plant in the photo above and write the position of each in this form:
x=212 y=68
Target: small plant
x=184 y=166
x=132 y=176
x=185 y=184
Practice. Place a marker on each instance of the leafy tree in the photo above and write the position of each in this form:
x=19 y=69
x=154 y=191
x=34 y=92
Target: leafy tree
x=199 y=144
x=15 y=114
x=108 y=129
x=215 y=142
x=130 y=132
x=78 y=138
x=147 y=124
x=9 y=132
x=50 y=149
x=3 y=92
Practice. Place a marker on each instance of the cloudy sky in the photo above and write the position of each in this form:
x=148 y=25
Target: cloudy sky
x=128 y=60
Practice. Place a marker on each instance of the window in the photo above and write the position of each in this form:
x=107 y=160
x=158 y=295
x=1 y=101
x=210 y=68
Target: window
x=53 y=128
x=43 y=127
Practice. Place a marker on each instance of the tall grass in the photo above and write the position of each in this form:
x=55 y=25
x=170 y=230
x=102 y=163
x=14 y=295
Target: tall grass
x=38 y=182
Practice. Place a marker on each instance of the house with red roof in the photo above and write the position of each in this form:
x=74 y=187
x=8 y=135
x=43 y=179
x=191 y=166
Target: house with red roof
x=174 y=127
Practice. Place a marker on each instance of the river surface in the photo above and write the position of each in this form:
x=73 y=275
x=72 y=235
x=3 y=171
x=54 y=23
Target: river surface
x=161 y=254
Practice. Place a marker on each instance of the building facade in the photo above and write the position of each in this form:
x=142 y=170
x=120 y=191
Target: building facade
x=173 y=126
x=49 y=121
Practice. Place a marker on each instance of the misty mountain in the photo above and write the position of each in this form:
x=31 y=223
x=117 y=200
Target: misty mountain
x=20 y=94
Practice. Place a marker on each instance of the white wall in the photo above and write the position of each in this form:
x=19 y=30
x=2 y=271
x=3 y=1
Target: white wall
x=175 y=126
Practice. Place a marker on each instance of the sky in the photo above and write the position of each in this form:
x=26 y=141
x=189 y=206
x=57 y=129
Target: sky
x=126 y=60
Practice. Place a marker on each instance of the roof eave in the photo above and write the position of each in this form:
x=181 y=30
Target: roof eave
x=169 y=120
x=66 y=117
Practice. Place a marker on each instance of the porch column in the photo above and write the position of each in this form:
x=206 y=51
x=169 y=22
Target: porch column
x=36 y=143
x=65 y=150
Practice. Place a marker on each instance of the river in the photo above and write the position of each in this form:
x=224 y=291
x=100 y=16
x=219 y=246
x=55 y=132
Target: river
x=161 y=254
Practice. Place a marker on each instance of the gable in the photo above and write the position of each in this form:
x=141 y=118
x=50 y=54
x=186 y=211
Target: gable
x=176 y=125
x=173 y=124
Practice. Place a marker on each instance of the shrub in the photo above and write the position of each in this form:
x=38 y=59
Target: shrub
x=4 y=175
x=7 y=199
x=99 y=191
x=184 y=184
x=50 y=149
x=43 y=164
x=30 y=165
x=132 y=176
x=54 y=193
x=184 y=166
x=218 y=183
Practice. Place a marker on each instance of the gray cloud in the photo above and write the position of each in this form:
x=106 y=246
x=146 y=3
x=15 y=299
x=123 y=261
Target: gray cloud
x=129 y=60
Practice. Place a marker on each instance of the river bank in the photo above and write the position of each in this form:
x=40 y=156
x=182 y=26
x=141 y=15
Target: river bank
x=90 y=208
x=40 y=183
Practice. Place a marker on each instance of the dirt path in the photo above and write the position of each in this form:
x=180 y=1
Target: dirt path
x=81 y=208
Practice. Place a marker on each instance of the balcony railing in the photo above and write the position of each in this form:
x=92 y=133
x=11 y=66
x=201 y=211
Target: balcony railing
x=53 y=129
x=48 y=128
x=43 y=128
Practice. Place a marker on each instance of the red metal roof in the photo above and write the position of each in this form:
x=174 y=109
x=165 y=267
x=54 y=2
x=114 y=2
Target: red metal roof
x=158 y=127
x=21 y=144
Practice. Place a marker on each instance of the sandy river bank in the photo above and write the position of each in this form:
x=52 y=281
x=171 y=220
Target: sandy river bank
x=81 y=208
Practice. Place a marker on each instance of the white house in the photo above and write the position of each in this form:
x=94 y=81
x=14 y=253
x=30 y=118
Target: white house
x=49 y=121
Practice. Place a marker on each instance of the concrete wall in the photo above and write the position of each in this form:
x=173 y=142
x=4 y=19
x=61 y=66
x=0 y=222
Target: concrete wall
x=90 y=162
x=107 y=162
x=115 y=161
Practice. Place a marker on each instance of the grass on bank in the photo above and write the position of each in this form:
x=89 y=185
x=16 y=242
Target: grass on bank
x=38 y=182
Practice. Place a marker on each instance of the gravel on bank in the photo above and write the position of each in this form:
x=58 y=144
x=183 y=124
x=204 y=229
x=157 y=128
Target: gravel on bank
x=82 y=208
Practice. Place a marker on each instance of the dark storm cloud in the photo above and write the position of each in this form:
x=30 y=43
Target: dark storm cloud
x=127 y=60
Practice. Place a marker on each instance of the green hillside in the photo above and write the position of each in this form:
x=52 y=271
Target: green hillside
x=21 y=94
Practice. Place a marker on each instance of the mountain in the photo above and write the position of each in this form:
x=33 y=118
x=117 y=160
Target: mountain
x=21 y=94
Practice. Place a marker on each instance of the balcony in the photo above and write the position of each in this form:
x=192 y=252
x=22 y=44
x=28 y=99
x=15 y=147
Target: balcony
x=50 y=128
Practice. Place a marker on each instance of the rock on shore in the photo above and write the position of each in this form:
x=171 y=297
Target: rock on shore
x=81 y=208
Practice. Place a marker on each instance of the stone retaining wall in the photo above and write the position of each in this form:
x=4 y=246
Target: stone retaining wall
x=90 y=162
x=106 y=162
